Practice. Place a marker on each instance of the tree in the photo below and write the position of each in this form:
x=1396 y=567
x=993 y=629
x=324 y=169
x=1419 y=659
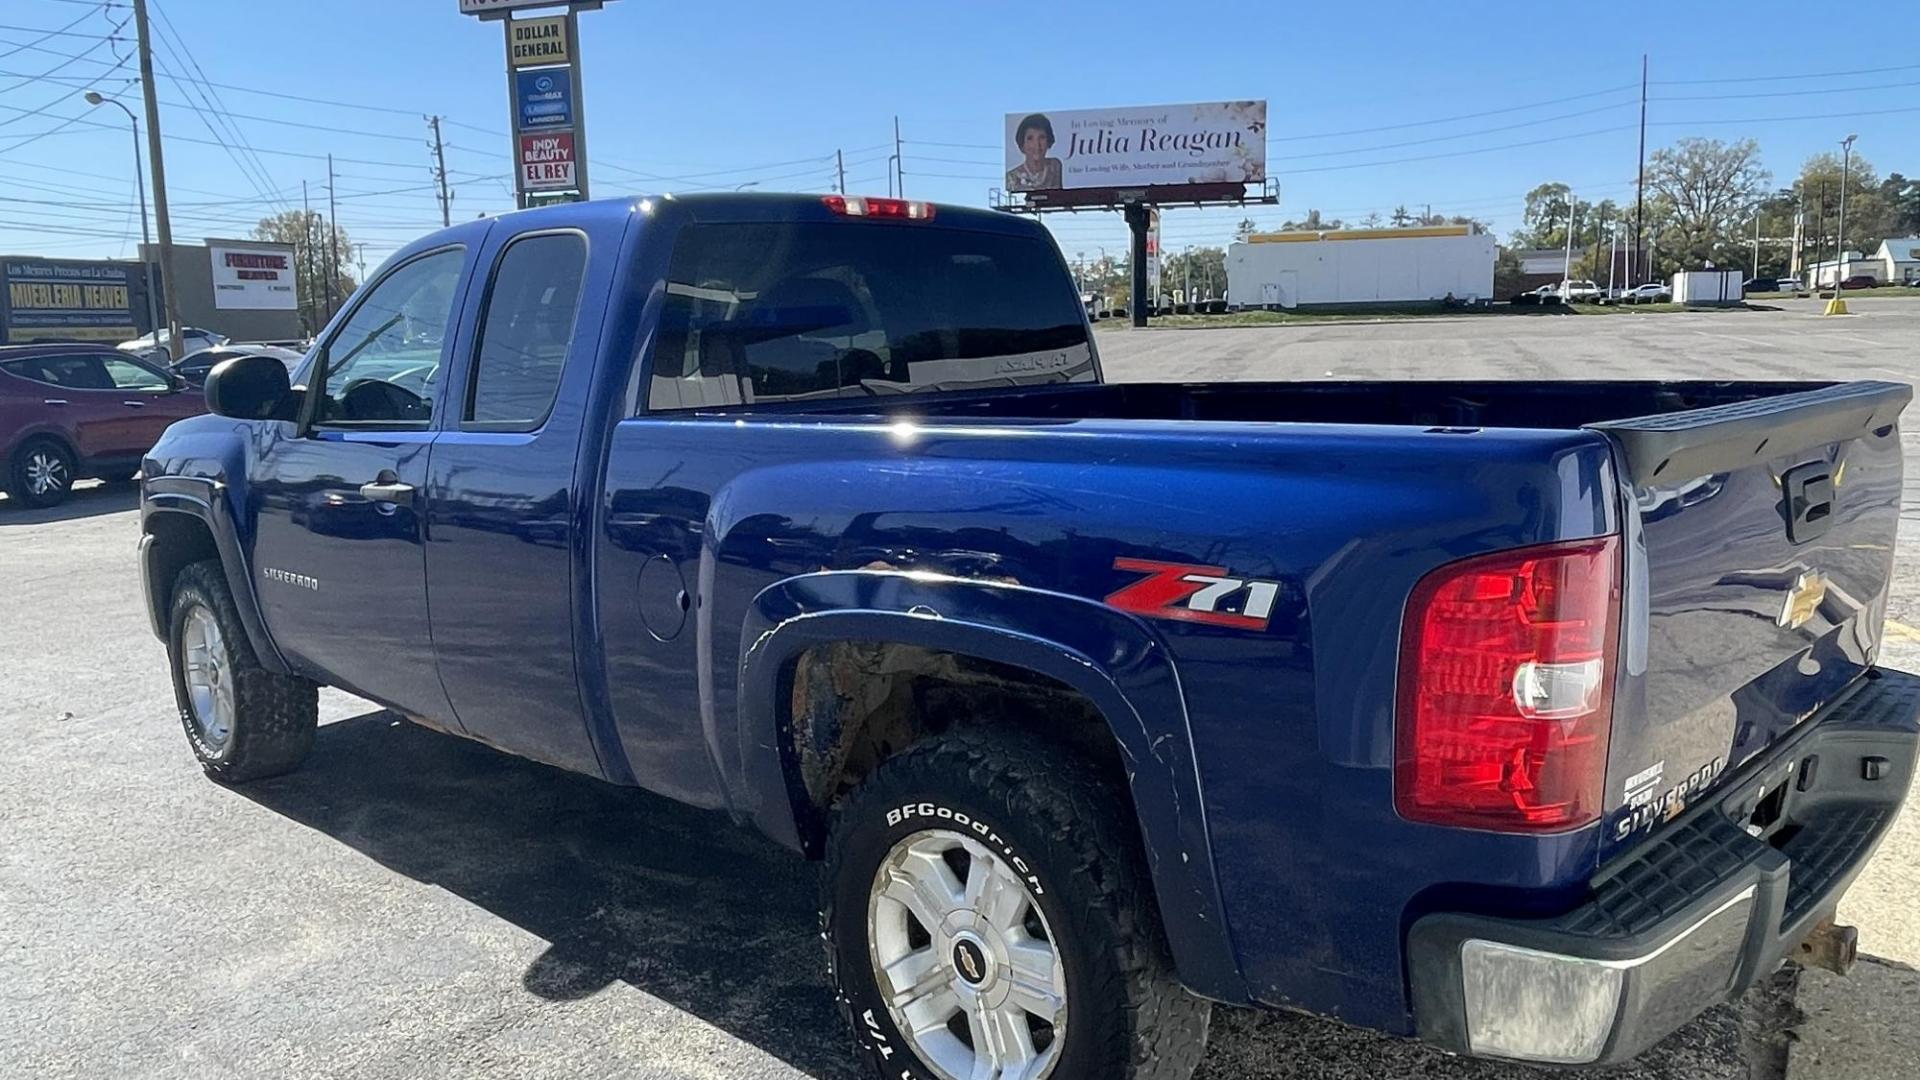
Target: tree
x=1544 y=221
x=1245 y=229
x=313 y=259
x=1371 y=221
x=1508 y=274
x=1712 y=187
x=1209 y=272
x=1401 y=218
x=1313 y=222
x=1902 y=197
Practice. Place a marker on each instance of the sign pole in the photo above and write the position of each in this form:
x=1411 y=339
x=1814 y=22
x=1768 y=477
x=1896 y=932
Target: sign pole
x=513 y=118
x=579 y=102
x=1137 y=215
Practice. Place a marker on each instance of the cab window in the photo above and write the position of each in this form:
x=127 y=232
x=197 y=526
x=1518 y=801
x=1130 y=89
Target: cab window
x=528 y=328
x=383 y=367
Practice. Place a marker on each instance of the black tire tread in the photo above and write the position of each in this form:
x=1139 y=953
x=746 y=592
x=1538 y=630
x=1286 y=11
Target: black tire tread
x=1085 y=817
x=275 y=716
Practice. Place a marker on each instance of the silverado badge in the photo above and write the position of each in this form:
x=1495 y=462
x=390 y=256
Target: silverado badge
x=1803 y=600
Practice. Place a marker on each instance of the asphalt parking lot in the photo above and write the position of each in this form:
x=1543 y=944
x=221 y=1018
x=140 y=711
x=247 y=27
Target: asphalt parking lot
x=414 y=905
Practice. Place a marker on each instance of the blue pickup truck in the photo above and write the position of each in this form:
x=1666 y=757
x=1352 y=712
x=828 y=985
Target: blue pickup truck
x=1528 y=719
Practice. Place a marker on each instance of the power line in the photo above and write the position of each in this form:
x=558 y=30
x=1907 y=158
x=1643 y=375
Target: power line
x=1789 y=93
x=211 y=97
x=1783 y=119
x=1460 y=135
x=1783 y=78
x=1458 y=153
x=44 y=36
x=1449 y=119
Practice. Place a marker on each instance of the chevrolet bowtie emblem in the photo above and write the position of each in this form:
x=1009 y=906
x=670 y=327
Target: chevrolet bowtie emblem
x=1803 y=600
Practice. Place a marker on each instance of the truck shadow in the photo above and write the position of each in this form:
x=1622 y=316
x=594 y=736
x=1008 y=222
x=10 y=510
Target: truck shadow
x=709 y=917
x=89 y=499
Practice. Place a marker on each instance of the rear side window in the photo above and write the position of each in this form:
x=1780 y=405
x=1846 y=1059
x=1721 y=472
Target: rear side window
x=528 y=327
x=72 y=372
x=786 y=312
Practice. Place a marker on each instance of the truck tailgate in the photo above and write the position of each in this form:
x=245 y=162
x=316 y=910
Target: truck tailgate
x=1759 y=547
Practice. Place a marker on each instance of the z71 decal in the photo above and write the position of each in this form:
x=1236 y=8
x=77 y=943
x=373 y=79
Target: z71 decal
x=1189 y=593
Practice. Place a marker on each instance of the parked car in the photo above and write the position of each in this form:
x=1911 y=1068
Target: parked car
x=159 y=344
x=1578 y=292
x=1651 y=292
x=194 y=367
x=818 y=510
x=70 y=412
x=1545 y=294
x=1860 y=281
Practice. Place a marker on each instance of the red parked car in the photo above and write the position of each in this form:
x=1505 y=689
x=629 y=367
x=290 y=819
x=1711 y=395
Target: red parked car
x=68 y=412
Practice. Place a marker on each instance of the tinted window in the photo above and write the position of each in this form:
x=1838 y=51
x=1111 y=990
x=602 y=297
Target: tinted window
x=70 y=372
x=529 y=324
x=383 y=367
x=857 y=308
x=127 y=375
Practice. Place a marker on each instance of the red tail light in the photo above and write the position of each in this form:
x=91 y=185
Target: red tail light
x=1506 y=689
x=870 y=206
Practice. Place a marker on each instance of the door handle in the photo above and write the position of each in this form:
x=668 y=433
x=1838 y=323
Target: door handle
x=54 y=401
x=390 y=492
x=135 y=404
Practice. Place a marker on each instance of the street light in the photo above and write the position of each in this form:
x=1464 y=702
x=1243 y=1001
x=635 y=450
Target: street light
x=1840 y=241
x=95 y=97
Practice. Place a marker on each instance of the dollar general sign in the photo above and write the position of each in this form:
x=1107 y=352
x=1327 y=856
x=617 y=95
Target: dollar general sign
x=538 y=42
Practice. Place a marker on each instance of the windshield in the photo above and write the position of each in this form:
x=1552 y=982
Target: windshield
x=783 y=312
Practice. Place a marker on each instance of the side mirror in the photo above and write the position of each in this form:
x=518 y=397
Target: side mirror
x=251 y=388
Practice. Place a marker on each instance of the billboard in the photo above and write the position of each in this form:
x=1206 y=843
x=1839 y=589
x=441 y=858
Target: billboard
x=252 y=277
x=546 y=160
x=543 y=98
x=55 y=299
x=1209 y=143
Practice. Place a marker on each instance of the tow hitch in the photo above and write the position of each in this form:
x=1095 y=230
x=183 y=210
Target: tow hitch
x=1831 y=947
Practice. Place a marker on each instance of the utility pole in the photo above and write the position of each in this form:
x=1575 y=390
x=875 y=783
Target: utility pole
x=1613 y=255
x=333 y=241
x=311 y=303
x=360 y=260
x=1640 y=179
x=840 y=167
x=1566 y=275
x=1756 y=243
x=161 y=218
x=899 y=164
x=440 y=173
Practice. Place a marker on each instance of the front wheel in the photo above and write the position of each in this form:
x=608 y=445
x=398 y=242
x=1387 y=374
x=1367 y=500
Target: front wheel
x=988 y=916
x=242 y=721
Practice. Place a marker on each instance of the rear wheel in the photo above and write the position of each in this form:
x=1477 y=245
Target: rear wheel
x=989 y=917
x=242 y=721
x=41 y=473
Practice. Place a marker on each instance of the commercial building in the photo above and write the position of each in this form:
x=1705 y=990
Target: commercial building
x=1349 y=268
x=245 y=289
x=1852 y=264
x=1900 y=259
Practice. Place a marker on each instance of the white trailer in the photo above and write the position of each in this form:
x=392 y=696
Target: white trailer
x=1700 y=287
x=1361 y=267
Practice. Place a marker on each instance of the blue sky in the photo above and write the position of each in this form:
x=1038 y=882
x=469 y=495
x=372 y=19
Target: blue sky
x=1463 y=108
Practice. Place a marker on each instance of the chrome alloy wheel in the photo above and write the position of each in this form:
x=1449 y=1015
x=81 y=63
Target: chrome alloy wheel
x=46 y=472
x=965 y=960
x=209 y=677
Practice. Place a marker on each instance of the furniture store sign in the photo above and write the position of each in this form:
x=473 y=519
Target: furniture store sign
x=66 y=299
x=1209 y=143
x=253 y=277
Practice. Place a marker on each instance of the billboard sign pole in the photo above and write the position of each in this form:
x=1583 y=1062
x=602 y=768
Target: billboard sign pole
x=545 y=97
x=1137 y=160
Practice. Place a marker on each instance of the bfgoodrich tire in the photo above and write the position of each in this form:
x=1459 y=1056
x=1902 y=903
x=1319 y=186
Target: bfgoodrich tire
x=987 y=912
x=242 y=721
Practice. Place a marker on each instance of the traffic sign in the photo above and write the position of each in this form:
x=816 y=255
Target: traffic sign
x=544 y=98
x=546 y=160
